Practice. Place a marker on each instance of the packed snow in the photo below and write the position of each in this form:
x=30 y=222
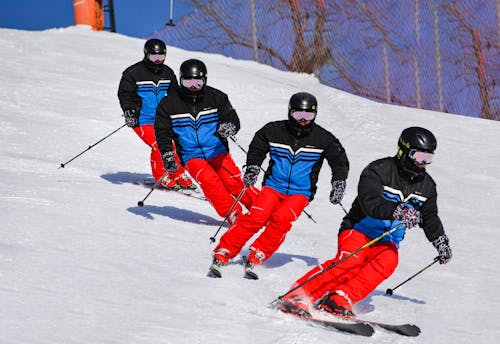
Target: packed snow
x=80 y=262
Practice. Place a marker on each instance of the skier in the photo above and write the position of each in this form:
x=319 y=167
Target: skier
x=199 y=119
x=142 y=86
x=297 y=147
x=391 y=191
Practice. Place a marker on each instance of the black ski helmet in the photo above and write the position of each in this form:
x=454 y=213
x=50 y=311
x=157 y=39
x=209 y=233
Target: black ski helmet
x=301 y=101
x=416 y=138
x=154 y=46
x=193 y=69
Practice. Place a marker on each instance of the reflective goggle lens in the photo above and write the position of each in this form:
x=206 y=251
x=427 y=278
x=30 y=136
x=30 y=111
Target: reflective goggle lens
x=192 y=83
x=303 y=115
x=156 y=58
x=421 y=158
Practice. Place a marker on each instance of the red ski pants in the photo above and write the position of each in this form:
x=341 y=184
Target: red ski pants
x=147 y=134
x=220 y=180
x=276 y=210
x=358 y=275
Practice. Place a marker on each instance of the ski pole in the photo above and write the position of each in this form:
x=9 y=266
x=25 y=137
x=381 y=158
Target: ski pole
x=141 y=203
x=342 y=206
x=389 y=291
x=334 y=264
x=244 y=151
x=90 y=147
x=212 y=238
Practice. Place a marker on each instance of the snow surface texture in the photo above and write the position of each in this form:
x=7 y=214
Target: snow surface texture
x=81 y=263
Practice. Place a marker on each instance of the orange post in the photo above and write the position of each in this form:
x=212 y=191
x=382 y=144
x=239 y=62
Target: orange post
x=89 y=12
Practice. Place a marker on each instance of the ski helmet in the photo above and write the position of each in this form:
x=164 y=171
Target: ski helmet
x=154 y=46
x=152 y=49
x=414 y=139
x=193 y=69
x=302 y=101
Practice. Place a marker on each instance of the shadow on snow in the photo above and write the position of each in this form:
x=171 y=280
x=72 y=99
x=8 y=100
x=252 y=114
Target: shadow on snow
x=365 y=306
x=147 y=211
x=125 y=177
x=174 y=213
x=279 y=259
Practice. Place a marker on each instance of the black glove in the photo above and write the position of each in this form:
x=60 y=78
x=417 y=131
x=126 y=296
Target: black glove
x=406 y=214
x=337 y=193
x=442 y=244
x=169 y=162
x=251 y=175
x=131 y=118
x=226 y=129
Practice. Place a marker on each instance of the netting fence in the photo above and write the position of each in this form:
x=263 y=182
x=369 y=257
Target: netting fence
x=440 y=55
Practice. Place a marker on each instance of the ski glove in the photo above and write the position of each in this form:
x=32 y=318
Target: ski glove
x=337 y=193
x=131 y=118
x=251 y=175
x=442 y=244
x=169 y=162
x=226 y=129
x=408 y=215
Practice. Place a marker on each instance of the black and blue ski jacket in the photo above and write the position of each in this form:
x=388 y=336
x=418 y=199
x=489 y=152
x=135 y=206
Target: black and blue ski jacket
x=192 y=122
x=142 y=87
x=295 y=160
x=382 y=186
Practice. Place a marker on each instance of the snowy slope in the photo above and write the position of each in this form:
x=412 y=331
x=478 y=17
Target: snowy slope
x=81 y=263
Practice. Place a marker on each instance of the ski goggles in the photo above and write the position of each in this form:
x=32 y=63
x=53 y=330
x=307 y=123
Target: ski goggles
x=192 y=83
x=303 y=115
x=421 y=158
x=157 y=58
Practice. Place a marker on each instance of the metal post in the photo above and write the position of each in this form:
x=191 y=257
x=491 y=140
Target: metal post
x=387 y=80
x=171 y=21
x=416 y=68
x=109 y=8
x=254 y=31
x=437 y=55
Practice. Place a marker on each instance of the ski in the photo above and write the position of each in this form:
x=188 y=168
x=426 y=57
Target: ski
x=249 y=273
x=194 y=193
x=214 y=271
x=409 y=330
x=357 y=328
